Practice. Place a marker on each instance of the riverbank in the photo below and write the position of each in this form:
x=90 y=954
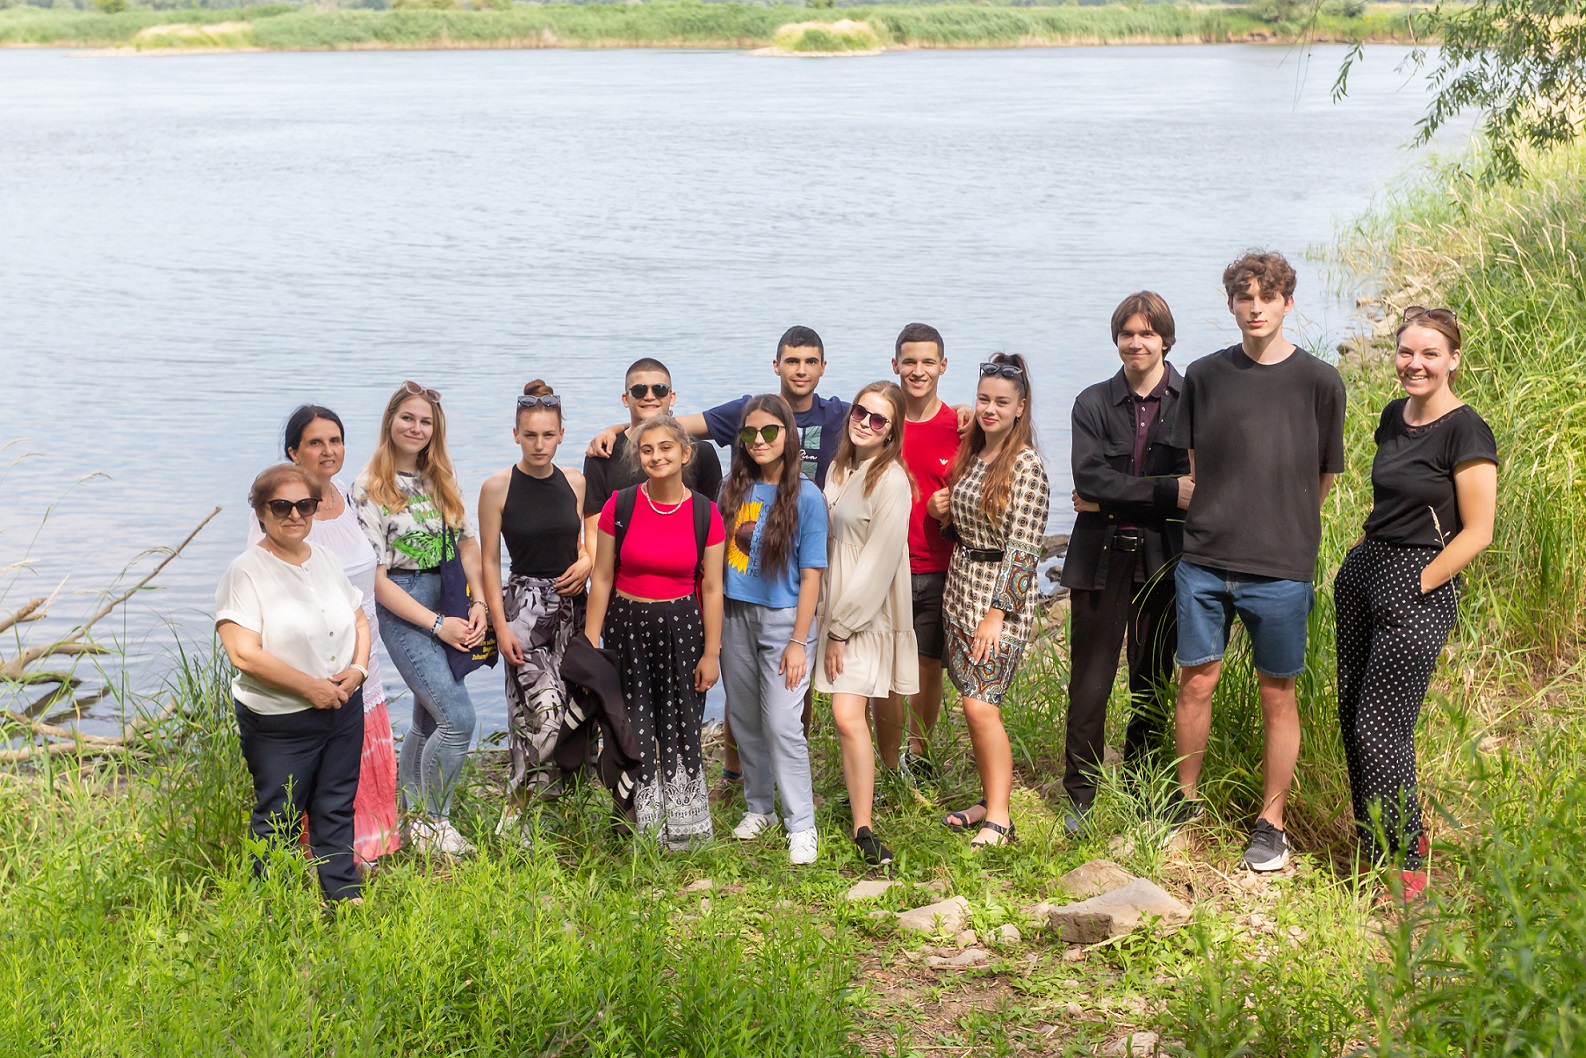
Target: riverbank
x=132 y=928
x=665 y=24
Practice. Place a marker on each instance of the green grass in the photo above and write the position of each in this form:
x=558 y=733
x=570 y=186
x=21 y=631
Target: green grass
x=664 y=23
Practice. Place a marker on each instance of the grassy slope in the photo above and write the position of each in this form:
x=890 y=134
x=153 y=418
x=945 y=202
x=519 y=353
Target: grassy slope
x=130 y=928
x=666 y=24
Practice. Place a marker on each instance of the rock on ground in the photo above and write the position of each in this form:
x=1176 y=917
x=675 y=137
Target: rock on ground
x=869 y=889
x=1137 y=1044
x=1008 y=933
x=966 y=938
x=701 y=886
x=971 y=957
x=1094 y=878
x=1118 y=912
x=948 y=916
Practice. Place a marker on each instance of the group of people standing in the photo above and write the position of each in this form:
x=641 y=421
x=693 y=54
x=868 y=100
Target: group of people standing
x=860 y=549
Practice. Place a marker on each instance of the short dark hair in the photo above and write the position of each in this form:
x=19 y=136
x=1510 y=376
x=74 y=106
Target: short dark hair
x=1271 y=271
x=919 y=332
x=271 y=479
x=800 y=338
x=1150 y=304
x=646 y=363
x=299 y=420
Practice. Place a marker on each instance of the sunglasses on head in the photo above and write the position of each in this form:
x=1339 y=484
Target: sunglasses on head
x=768 y=434
x=414 y=389
x=1415 y=312
x=859 y=413
x=660 y=389
x=540 y=400
x=1009 y=371
x=282 y=508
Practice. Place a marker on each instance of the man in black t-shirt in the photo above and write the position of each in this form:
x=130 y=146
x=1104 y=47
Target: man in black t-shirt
x=647 y=392
x=1264 y=425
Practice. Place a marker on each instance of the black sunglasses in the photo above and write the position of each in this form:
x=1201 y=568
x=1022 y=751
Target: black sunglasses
x=1010 y=371
x=540 y=400
x=1415 y=312
x=768 y=434
x=859 y=413
x=282 y=508
x=660 y=389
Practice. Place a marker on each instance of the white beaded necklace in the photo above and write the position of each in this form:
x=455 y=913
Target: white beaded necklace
x=656 y=507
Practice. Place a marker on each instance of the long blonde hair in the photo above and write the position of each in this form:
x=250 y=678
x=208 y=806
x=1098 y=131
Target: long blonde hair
x=891 y=449
x=434 y=464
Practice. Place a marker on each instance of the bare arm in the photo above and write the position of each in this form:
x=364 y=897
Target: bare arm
x=576 y=576
x=795 y=656
x=1476 y=492
x=245 y=648
x=600 y=583
x=1326 y=486
x=492 y=498
x=695 y=425
x=708 y=671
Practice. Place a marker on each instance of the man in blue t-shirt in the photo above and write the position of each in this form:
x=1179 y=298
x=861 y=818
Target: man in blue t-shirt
x=799 y=363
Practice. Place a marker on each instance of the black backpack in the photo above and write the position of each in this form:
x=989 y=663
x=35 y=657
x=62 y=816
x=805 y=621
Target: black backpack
x=622 y=517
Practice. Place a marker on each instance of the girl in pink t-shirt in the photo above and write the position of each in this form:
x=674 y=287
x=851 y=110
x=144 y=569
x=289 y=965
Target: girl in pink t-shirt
x=665 y=631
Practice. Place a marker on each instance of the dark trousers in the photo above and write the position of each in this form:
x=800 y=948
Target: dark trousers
x=1101 y=620
x=307 y=763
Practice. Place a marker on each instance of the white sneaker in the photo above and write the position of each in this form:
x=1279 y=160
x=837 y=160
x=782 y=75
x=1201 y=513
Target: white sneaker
x=801 y=846
x=752 y=825
x=437 y=837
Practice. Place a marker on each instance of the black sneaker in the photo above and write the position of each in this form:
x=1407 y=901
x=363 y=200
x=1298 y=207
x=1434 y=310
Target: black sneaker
x=1077 y=818
x=1178 y=813
x=1268 y=849
x=870 y=847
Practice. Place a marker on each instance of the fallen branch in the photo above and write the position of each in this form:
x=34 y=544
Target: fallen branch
x=28 y=611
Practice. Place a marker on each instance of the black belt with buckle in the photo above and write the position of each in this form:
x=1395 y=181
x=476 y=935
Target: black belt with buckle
x=1128 y=540
x=983 y=554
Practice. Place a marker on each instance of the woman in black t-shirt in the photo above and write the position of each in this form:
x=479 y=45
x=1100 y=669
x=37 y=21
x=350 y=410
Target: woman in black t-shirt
x=1434 y=485
x=535 y=508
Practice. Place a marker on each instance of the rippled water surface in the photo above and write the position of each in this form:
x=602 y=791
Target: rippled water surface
x=191 y=246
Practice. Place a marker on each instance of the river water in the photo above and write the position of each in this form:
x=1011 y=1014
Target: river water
x=190 y=246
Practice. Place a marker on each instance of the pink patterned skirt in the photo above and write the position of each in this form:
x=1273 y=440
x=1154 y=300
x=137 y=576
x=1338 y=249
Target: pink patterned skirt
x=374 y=806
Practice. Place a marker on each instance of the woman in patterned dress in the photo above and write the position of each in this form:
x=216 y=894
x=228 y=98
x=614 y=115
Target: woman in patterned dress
x=534 y=507
x=997 y=505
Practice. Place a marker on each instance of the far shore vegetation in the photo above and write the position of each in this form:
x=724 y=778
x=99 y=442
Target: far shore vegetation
x=426 y=24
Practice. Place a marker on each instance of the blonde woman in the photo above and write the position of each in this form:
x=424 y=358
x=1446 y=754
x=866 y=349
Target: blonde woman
x=866 y=611
x=409 y=502
x=997 y=506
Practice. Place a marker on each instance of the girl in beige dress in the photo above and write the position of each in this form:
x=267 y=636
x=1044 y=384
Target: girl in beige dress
x=866 y=616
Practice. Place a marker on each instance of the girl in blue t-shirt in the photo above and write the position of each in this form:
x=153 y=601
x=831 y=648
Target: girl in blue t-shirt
x=776 y=549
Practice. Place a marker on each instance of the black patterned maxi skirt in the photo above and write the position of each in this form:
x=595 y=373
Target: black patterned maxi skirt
x=658 y=644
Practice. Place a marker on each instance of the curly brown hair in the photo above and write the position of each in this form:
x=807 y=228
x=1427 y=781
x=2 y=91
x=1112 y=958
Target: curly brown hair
x=1271 y=271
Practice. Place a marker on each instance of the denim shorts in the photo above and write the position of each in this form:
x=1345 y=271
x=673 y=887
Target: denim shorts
x=1275 y=613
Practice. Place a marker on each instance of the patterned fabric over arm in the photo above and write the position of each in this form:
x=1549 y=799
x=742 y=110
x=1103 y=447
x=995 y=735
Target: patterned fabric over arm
x=1024 y=526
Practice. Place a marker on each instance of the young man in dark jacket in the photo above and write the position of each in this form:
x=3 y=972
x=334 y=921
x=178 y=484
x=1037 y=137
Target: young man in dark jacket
x=1131 y=487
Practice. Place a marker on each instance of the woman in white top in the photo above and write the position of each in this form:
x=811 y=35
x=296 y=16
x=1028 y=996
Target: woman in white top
x=293 y=625
x=866 y=611
x=409 y=503
x=315 y=440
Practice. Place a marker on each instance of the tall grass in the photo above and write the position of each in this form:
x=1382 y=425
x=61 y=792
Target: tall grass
x=664 y=23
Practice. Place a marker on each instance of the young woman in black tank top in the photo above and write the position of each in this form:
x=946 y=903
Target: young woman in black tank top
x=534 y=507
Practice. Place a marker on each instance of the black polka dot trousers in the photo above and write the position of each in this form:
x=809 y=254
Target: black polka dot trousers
x=1389 y=637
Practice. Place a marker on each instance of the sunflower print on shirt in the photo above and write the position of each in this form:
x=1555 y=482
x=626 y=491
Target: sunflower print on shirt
x=740 y=545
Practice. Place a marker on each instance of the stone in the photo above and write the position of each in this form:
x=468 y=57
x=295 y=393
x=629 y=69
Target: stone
x=704 y=885
x=1094 y=878
x=1110 y=757
x=1136 y=1044
x=1038 y=912
x=1074 y=954
x=868 y=889
x=1121 y=846
x=966 y=938
x=964 y=959
x=948 y=916
x=879 y=914
x=1008 y=933
x=1118 y=912
x=1074 y=1010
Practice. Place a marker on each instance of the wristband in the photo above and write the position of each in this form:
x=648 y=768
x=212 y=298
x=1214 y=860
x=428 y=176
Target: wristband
x=435 y=629
x=834 y=638
x=360 y=668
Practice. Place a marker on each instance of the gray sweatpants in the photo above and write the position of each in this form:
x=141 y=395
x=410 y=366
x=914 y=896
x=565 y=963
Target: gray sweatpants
x=767 y=718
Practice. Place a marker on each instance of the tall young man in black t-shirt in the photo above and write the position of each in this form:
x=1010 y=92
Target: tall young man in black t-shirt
x=1264 y=425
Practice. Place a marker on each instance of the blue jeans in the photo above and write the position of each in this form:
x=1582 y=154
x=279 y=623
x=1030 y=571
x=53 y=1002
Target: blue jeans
x=436 y=746
x=1275 y=613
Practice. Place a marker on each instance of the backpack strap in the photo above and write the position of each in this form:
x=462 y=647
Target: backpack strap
x=622 y=517
x=701 y=530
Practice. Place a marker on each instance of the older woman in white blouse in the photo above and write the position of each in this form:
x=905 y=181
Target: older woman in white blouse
x=293 y=625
